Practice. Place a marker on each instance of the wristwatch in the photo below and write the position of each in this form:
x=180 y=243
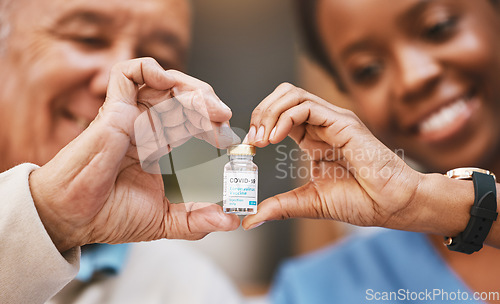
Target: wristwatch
x=483 y=212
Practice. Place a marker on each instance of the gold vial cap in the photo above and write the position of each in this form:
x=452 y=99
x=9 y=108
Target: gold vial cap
x=241 y=149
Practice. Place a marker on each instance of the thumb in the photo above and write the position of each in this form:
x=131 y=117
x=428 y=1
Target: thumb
x=193 y=221
x=300 y=202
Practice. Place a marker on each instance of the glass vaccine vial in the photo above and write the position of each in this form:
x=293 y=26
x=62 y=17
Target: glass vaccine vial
x=240 y=181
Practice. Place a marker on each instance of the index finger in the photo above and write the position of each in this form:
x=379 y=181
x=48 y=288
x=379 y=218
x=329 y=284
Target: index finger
x=266 y=114
x=126 y=77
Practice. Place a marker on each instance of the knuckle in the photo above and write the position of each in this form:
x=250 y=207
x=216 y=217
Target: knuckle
x=300 y=91
x=172 y=72
x=286 y=86
x=296 y=94
x=354 y=119
x=309 y=103
x=149 y=60
x=257 y=112
x=350 y=113
x=206 y=88
x=269 y=112
x=117 y=67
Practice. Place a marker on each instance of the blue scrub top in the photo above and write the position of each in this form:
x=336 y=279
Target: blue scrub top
x=387 y=267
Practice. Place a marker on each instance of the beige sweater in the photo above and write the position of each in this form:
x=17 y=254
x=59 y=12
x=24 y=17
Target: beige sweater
x=32 y=270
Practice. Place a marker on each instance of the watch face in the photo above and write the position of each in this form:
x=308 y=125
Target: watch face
x=466 y=173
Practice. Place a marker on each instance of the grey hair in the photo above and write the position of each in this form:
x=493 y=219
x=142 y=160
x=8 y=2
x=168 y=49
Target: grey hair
x=4 y=23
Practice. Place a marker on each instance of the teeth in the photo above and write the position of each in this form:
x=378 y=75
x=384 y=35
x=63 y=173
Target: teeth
x=443 y=117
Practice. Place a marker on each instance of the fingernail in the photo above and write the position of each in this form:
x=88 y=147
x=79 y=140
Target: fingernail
x=260 y=134
x=245 y=140
x=271 y=136
x=255 y=225
x=251 y=134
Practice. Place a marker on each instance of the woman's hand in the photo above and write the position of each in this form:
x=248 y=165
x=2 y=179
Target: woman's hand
x=95 y=189
x=354 y=177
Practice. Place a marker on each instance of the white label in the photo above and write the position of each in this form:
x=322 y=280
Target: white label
x=240 y=189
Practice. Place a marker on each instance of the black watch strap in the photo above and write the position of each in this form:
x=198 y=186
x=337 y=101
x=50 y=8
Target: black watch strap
x=483 y=214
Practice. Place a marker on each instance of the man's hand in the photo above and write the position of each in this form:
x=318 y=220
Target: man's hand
x=354 y=177
x=95 y=190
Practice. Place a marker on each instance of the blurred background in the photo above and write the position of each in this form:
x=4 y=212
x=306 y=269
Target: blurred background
x=244 y=49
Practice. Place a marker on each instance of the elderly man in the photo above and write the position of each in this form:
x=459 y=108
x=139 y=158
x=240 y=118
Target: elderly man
x=60 y=95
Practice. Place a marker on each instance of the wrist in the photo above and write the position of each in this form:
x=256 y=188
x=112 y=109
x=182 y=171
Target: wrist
x=442 y=205
x=53 y=223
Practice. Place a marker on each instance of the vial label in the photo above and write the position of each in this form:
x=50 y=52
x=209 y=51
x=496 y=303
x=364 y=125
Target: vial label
x=240 y=191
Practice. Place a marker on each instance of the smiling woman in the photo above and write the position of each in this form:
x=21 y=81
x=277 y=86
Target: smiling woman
x=422 y=75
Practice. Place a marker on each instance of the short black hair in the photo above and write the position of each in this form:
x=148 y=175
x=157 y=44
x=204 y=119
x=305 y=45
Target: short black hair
x=306 y=11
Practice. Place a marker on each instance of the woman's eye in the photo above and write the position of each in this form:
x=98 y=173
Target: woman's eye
x=367 y=73
x=442 y=29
